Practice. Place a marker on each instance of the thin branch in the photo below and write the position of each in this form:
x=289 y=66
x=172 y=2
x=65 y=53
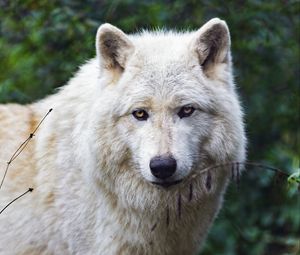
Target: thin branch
x=29 y=190
x=22 y=147
x=236 y=163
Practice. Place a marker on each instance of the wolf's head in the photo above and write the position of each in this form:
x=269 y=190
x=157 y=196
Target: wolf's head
x=170 y=101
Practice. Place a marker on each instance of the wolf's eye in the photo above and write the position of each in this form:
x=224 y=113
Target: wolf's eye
x=140 y=114
x=186 y=111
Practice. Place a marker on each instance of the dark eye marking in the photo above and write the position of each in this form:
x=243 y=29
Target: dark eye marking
x=186 y=111
x=140 y=114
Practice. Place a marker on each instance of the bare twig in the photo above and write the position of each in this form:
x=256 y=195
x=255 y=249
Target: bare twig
x=235 y=169
x=22 y=147
x=29 y=190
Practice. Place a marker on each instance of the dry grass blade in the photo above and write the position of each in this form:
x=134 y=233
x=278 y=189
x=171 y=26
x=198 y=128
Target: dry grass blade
x=191 y=192
x=153 y=227
x=179 y=205
x=208 y=181
x=168 y=216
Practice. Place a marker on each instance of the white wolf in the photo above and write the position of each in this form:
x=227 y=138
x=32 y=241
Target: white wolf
x=116 y=166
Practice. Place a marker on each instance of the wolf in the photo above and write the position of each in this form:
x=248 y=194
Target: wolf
x=124 y=164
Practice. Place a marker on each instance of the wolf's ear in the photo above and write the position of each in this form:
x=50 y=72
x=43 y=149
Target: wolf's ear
x=113 y=47
x=212 y=44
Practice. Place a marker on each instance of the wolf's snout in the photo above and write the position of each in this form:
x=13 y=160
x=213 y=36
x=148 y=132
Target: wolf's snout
x=163 y=167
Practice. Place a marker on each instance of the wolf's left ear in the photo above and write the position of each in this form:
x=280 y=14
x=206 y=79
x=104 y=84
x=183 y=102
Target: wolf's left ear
x=113 y=47
x=212 y=44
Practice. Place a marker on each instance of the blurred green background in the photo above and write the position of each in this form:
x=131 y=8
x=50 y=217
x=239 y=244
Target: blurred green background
x=42 y=43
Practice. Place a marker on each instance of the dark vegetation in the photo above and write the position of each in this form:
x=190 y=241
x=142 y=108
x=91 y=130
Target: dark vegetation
x=43 y=42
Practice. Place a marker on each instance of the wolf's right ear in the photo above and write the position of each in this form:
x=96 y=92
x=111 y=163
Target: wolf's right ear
x=212 y=45
x=113 y=47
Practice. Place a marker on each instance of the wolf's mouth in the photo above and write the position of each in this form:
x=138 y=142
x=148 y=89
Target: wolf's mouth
x=165 y=184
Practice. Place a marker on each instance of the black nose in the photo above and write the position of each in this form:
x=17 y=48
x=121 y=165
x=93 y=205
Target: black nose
x=163 y=167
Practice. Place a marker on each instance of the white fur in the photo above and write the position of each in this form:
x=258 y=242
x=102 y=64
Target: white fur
x=93 y=156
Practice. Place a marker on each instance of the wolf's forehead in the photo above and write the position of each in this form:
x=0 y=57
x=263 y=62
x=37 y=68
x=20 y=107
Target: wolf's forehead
x=171 y=84
x=160 y=46
x=163 y=78
x=162 y=70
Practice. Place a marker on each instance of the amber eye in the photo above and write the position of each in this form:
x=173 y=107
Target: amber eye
x=186 y=111
x=140 y=114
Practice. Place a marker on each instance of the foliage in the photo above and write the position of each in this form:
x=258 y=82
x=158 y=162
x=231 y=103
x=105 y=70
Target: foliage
x=43 y=42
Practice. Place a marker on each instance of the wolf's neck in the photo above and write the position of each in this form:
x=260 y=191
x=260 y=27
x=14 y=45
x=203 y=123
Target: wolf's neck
x=163 y=231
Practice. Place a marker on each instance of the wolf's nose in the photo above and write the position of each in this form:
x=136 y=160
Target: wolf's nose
x=163 y=167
